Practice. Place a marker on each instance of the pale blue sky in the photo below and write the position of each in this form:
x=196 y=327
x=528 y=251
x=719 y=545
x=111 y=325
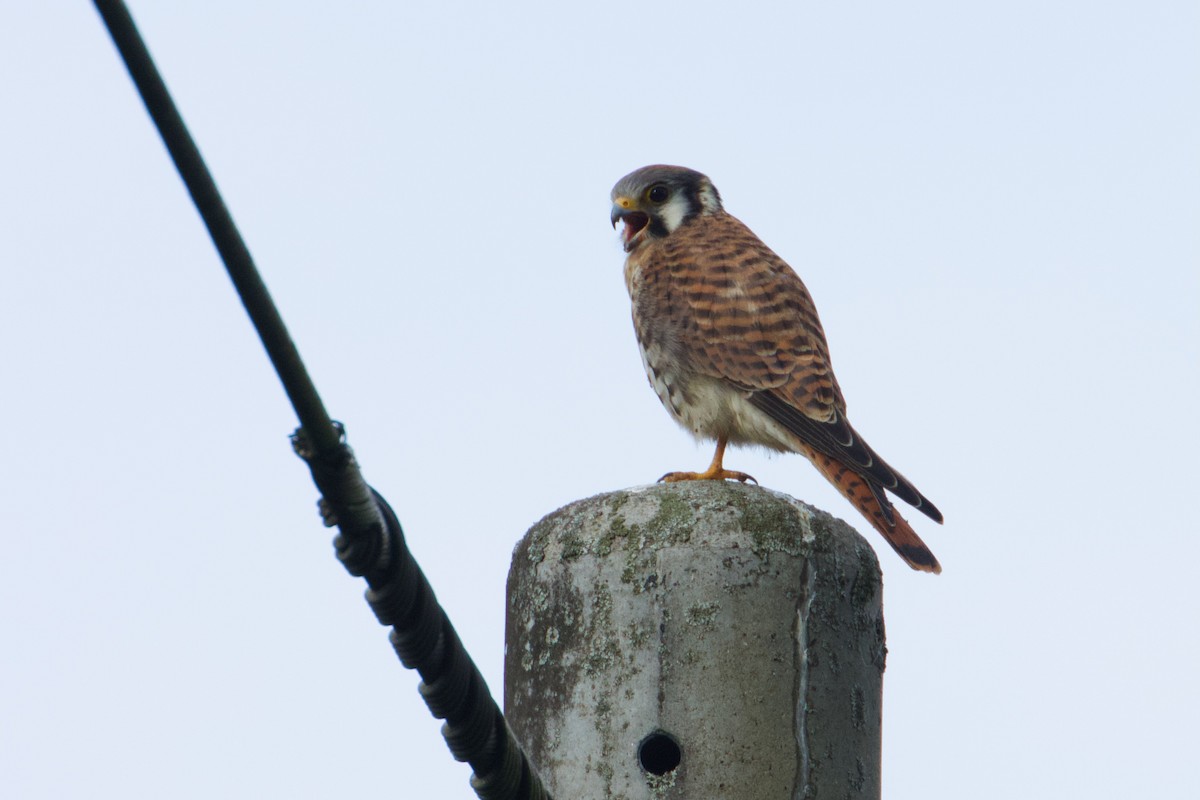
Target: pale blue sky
x=994 y=204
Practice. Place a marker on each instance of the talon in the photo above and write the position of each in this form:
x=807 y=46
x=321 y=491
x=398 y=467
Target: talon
x=707 y=475
x=715 y=471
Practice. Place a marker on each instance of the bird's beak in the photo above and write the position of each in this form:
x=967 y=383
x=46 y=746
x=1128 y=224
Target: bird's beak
x=625 y=210
x=621 y=208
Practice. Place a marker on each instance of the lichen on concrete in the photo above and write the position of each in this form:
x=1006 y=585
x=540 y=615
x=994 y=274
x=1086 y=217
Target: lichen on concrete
x=637 y=635
x=703 y=614
x=604 y=648
x=661 y=785
x=672 y=524
x=535 y=543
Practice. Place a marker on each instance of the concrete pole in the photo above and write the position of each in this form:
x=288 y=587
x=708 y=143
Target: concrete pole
x=696 y=640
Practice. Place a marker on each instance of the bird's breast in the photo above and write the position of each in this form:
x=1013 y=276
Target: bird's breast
x=702 y=400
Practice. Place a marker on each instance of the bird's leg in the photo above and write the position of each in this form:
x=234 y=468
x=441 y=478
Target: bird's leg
x=715 y=471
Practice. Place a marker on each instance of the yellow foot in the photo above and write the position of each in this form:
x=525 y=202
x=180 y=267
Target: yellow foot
x=709 y=474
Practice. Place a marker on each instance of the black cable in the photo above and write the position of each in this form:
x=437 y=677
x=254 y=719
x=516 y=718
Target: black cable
x=370 y=543
x=423 y=637
x=221 y=227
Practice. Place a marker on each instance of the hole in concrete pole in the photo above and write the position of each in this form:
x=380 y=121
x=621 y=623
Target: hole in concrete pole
x=659 y=753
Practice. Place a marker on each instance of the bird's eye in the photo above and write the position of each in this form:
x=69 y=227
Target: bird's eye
x=658 y=194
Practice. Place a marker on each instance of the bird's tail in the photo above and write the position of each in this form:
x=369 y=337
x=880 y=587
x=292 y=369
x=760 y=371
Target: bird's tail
x=870 y=501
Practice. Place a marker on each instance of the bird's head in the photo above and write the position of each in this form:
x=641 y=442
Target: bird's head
x=654 y=201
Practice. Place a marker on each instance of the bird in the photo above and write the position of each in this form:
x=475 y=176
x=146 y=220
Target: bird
x=733 y=347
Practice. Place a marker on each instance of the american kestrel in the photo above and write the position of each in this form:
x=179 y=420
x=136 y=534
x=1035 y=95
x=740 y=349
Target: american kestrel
x=734 y=349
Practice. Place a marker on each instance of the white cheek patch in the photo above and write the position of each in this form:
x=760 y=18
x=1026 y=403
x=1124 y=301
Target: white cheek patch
x=673 y=212
x=709 y=200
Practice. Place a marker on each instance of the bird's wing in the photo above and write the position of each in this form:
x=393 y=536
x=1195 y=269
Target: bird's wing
x=756 y=326
x=755 y=323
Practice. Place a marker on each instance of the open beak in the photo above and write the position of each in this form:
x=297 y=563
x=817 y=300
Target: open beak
x=623 y=210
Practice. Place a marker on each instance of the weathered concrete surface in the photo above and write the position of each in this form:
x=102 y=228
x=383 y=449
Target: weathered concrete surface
x=742 y=623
